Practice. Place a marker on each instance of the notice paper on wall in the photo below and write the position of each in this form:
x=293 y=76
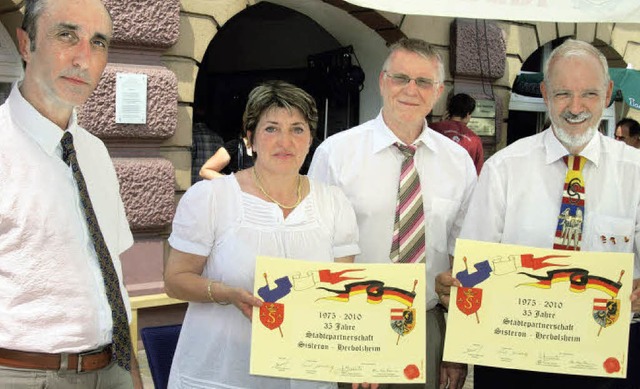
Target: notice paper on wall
x=131 y=98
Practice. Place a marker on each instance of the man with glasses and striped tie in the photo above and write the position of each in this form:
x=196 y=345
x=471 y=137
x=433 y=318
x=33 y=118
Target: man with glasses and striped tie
x=63 y=306
x=567 y=188
x=409 y=185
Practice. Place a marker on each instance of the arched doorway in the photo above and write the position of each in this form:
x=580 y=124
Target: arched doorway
x=268 y=41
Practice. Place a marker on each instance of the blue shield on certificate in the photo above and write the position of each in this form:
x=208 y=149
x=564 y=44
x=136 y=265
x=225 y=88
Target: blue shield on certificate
x=403 y=320
x=606 y=311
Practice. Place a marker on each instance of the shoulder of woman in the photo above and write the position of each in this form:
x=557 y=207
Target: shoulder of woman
x=209 y=187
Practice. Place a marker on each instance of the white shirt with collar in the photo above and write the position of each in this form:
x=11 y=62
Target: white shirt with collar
x=365 y=164
x=52 y=295
x=517 y=199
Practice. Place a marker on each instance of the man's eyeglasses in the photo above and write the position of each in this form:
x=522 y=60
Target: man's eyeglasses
x=402 y=80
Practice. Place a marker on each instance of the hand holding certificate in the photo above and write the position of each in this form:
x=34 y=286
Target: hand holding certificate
x=339 y=322
x=542 y=310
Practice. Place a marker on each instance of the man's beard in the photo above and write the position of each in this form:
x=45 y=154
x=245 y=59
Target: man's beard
x=570 y=141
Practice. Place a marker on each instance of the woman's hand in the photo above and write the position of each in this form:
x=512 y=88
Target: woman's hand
x=242 y=299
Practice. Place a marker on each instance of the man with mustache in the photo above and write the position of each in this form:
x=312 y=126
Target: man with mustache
x=63 y=305
x=520 y=190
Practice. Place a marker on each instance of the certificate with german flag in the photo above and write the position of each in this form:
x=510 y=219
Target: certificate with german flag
x=339 y=322
x=545 y=310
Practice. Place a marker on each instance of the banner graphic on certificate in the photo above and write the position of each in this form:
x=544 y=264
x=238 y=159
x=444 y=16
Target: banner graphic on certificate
x=537 y=309
x=327 y=321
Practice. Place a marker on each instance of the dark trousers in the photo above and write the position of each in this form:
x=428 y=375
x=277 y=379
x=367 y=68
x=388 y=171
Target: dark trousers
x=494 y=378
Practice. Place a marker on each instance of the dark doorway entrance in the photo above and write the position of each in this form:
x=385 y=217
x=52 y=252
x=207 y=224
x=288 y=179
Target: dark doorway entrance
x=265 y=42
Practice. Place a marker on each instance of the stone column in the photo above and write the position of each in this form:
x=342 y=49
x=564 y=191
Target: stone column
x=143 y=31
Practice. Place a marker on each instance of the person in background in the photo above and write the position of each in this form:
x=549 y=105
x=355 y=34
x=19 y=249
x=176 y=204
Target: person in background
x=214 y=166
x=628 y=131
x=63 y=305
x=455 y=127
x=206 y=144
x=223 y=224
x=419 y=220
x=240 y=155
x=234 y=156
x=520 y=197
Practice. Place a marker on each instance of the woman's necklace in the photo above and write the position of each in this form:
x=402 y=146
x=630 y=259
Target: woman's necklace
x=264 y=192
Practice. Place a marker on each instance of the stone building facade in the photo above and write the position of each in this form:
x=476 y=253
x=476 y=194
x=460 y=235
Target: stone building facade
x=167 y=40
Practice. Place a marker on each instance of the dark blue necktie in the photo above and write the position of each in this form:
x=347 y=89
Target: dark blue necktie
x=121 y=336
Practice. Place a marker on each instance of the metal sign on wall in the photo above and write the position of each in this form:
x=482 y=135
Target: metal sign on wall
x=483 y=118
x=574 y=11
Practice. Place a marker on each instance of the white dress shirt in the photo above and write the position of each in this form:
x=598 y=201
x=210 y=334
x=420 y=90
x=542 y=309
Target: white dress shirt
x=52 y=295
x=365 y=164
x=517 y=199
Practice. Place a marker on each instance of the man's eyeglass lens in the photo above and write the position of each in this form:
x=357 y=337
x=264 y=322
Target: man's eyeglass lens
x=403 y=79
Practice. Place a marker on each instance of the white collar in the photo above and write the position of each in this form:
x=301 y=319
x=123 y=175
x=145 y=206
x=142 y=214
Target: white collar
x=42 y=130
x=555 y=150
x=383 y=137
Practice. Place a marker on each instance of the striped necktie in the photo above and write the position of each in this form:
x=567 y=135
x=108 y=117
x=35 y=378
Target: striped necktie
x=408 y=244
x=121 y=335
x=569 y=227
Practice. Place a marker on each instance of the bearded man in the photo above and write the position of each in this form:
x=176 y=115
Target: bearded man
x=524 y=190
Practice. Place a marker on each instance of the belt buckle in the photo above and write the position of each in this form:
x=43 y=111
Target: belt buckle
x=84 y=354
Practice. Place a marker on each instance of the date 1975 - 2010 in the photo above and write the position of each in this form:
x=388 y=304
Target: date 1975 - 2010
x=344 y=321
x=539 y=309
